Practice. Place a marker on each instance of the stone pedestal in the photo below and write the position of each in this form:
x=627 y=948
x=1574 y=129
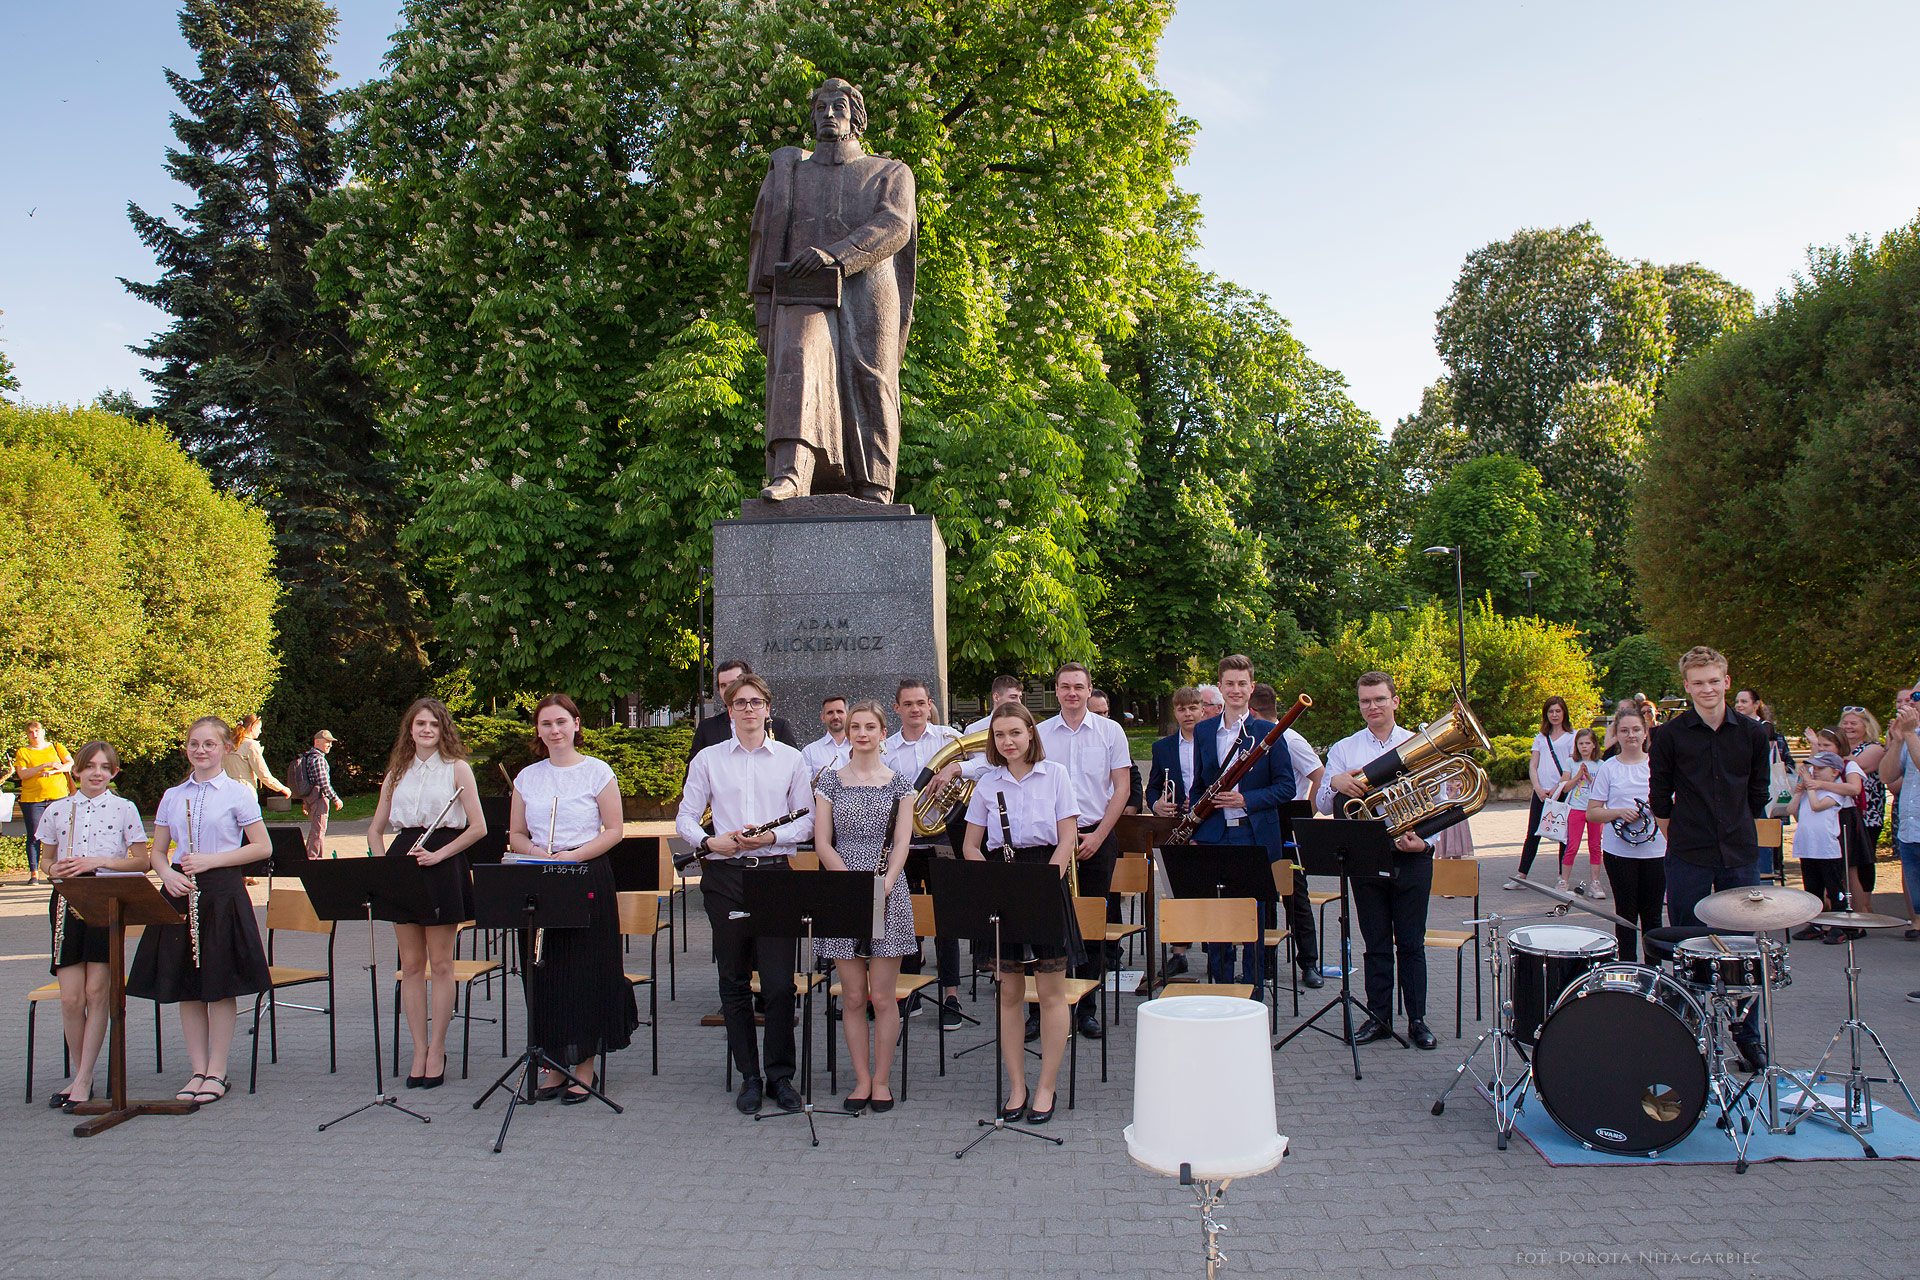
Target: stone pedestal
x=831 y=603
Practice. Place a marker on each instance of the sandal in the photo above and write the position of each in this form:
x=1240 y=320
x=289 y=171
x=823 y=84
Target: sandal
x=206 y=1096
x=189 y=1094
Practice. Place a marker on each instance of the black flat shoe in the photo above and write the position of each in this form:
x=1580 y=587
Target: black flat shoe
x=882 y=1105
x=576 y=1093
x=857 y=1105
x=58 y=1100
x=1036 y=1116
x=415 y=1082
x=1012 y=1113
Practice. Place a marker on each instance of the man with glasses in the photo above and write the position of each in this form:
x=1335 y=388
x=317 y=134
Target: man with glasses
x=749 y=779
x=1393 y=913
x=719 y=726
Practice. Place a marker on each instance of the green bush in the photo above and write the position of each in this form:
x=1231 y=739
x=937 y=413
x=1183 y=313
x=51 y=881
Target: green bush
x=650 y=763
x=1507 y=764
x=1639 y=664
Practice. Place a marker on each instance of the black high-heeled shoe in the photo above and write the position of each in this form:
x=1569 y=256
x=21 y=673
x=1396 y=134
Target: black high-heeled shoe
x=1035 y=1116
x=855 y=1106
x=1013 y=1113
x=416 y=1082
x=433 y=1082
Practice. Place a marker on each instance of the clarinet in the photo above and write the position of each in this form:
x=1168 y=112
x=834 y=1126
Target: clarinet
x=1006 y=828
x=681 y=861
x=193 y=890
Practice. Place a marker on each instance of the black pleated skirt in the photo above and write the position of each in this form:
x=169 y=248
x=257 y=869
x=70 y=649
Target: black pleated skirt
x=1075 y=950
x=578 y=998
x=82 y=944
x=233 y=962
x=449 y=883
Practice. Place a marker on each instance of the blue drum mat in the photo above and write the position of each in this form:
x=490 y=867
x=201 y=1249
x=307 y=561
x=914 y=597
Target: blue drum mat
x=1895 y=1136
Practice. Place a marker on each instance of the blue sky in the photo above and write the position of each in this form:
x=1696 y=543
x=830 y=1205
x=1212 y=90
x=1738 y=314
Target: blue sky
x=1349 y=156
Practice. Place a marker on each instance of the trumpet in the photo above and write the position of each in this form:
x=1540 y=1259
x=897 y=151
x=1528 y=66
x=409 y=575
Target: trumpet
x=931 y=806
x=1428 y=782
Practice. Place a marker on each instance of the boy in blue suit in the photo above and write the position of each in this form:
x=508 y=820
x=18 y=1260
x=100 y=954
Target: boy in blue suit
x=1170 y=780
x=1250 y=813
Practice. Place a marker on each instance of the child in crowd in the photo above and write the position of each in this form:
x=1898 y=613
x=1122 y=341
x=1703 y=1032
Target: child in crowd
x=1816 y=836
x=1574 y=789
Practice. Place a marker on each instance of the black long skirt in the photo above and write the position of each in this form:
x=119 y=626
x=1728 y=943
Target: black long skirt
x=449 y=883
x=233 y=962
x=578 y=998
x=82 y=943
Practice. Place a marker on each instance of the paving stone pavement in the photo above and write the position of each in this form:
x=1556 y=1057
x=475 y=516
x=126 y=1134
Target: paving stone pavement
x=681 y=1185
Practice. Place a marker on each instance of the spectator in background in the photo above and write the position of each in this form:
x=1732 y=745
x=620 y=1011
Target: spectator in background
x=1898 y=769
x=246 y=763
x=319 y=792
x=1850 y=787
x=43 y=767
x=1748 y=703
x=1864 y=747
x=1551 y=757
x=1582 y=769
x=1211 y=704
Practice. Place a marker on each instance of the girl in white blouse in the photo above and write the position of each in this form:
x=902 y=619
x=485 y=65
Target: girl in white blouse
x=206 y=831
x=566 y=808
x=92 y=832
x=1023 y=811
x=427 y=769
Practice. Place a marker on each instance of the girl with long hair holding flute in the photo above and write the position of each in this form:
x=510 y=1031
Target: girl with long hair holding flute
x=205 y=832
x=566 y=808
x=92 y=832
x=429 y=800
x=1023 y=810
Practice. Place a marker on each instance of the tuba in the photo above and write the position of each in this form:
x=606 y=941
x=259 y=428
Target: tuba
x=931 y=806
x=1428 y=782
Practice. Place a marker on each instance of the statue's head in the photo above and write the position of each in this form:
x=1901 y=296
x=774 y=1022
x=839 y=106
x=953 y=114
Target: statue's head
x=838 y=111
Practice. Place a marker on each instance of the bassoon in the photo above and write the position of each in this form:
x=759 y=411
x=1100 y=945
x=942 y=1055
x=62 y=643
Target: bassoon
x=1203 y=805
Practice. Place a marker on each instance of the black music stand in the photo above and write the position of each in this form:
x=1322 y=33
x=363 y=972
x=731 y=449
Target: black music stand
x=636 y=864
x=1010 y=902
x=370 y=889
x=1352 y=850
x=289 y=850
x=916 y=875
x=804 y=905
x=529 y=897
x=1225 y=871
x=113 y=903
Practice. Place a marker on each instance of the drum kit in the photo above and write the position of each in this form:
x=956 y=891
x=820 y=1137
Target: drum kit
x=1628 y=1058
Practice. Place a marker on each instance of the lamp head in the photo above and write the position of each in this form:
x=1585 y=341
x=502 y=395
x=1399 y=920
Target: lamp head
x=1438 y=551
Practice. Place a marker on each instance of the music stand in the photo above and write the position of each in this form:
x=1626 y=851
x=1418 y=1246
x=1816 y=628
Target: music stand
x=1224 y=871
x=370 y=889
x=805 y=904
x=289 y=850
x=636 y=864
x=113 y=903
x=1352 y=850
x=1013 y=902
x=529 y=897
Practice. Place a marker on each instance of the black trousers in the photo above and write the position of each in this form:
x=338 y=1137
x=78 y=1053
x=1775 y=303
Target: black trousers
x=1096 y=877
x=1393 y=922
x=1826 y=879
x=1300 y=913
x=737 y=953
x=1639 y=893
x=1532 y=846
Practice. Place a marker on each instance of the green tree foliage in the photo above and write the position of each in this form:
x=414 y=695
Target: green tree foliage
x=545 y=258
x=1425 y=448
x=1639 y=664
x=650 y=763
x=1775 y=520
x=134 y=596
x=9 y=380
x=1513 y=666
x=1499 y=513
x=257 y=377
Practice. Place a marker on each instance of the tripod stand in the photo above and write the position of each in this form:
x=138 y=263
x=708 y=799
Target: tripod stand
x=1507 y=1100
x=532 y=897
x=1344 y=849
x=1857 y=1106
x=379 y=888
x=1014 y=902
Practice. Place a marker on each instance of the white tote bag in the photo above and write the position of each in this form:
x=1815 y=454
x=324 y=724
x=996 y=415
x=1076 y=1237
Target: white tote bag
x=1779 y=789
x=1553 y=813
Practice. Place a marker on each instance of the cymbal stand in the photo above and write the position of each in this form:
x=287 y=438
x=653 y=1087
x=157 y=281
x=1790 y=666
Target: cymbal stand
x=1507 y=1099
x=1858 y=1104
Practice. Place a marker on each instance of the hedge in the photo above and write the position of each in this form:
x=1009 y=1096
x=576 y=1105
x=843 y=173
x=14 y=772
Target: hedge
x=650 y=763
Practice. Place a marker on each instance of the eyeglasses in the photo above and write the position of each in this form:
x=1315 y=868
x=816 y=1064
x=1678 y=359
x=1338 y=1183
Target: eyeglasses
x=1376 y=702
x=749 y=704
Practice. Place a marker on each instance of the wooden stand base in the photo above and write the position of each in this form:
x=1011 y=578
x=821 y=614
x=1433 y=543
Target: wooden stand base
x=106 y=1115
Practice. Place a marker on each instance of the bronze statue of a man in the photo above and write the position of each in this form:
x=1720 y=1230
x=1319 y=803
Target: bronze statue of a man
x=831 y=272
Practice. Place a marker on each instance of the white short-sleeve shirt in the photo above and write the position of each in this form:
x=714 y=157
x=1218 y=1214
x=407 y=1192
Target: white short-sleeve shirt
x=207 y=817
x=1089 y=754
x=1550 y=772
x=1035 y=805
x=1305 y=761
x=1816 y=833
x=106 y=825
x=562 y=805
x=1616 y=785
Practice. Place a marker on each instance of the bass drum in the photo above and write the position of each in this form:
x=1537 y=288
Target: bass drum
x=1622 y=1061
x=1543 y=961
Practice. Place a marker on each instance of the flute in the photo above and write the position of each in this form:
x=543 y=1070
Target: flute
x=72 y=842
x=434 y=826
x=540 y=935
x=193 y=891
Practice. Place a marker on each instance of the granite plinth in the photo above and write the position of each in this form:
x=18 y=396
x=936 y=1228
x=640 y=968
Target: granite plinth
x=820 y=506
x=825 y=605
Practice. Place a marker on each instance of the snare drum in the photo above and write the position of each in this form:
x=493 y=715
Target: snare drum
x=1546 y=959
x=1701 y=964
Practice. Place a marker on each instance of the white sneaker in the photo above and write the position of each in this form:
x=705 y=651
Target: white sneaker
x=1562 y=884
x=1511 y=884
x=1595 y=891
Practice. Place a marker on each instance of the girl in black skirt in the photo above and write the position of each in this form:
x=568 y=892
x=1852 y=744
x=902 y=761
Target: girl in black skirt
x=1023 y=811
x=566 y=808
x=92 y=832
x=206 y=832
x=427 y=770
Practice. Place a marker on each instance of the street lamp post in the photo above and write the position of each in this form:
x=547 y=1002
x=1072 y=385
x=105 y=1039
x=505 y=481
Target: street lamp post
x=1530 y=575
x=1460 y=601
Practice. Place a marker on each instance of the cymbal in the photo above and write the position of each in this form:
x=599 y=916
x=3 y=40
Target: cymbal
x=1757 y=909
x=1859 y=920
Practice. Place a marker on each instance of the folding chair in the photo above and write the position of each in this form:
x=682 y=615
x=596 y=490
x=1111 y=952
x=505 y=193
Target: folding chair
x=1204 y=920
x=1091 y=913
x=1133 y=881
x=1458 y=878
x=640 y=918
x=290 y=910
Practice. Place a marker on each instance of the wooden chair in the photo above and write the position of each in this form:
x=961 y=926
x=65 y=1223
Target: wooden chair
x=905 y=988
x=1133 y=881
x=805 y=983
x=1203 y=920
x=1772 y=834
x=289 y=910
x=465 y=974
x=51 y=991
x=669 y=886
x=1281 y=940
x=1317 y=900
x=1458 y=878
x=640 y=918
x=1091 y=913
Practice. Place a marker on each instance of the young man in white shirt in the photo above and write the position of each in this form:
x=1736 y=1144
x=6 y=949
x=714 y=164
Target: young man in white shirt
x=1006 y=689
x=749 y=779
x=907 y=753
x=831 y=749
x=1393 y=914
x=1094 y=750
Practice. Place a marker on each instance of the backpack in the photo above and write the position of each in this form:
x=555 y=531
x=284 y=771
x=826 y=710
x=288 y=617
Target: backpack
x=300 y=779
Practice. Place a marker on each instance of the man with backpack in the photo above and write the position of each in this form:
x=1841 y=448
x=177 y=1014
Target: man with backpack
x=312 y=785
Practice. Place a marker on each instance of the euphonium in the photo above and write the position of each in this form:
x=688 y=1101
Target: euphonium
x=932 y=805
x=1429 y=782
